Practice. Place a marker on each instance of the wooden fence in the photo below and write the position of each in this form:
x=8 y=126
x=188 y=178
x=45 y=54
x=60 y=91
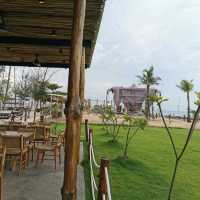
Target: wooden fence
x=101 y=191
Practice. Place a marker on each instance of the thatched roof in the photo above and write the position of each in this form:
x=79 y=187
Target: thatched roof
x=40 y=30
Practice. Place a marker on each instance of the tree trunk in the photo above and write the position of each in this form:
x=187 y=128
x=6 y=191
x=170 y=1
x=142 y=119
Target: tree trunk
x=15 y=86
x=7 y=87
x=173 y=179
x=152 y=111
x=147 y=103
x=25 y=114
x=188 y=107
x=34 y=116
x=126 y=144
x=40 y=107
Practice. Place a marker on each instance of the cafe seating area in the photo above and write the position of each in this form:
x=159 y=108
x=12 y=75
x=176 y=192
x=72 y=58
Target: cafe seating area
x=23 y=140
x=43 y=182
x=29 y=151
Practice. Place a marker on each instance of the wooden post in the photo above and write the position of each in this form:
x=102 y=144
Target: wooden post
x=82 y=77
x=89 y=142
x=86 y=130
x=73 y=111
x=102 y=189
x=81 y=94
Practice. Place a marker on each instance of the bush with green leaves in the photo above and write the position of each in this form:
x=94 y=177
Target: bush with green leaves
x=133 y=126
x=110 y=122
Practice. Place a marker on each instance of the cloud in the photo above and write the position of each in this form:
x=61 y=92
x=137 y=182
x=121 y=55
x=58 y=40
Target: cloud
x=136 y=34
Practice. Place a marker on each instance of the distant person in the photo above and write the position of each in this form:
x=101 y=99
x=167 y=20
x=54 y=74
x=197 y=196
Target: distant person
x=170 y=118
x=121 y=107
x=12 y=116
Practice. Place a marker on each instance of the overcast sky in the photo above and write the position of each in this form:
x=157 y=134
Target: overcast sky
x=136 y=34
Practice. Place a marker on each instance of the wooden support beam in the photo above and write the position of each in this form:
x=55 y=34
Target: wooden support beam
x=73 y=103
x=40 y=41
x=30 y=64
x=82 y=78
x=81 y=94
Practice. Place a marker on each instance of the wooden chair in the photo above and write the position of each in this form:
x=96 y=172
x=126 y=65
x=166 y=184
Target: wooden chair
x=54 y=138
x=30 y=142
x=41 y=136
x=45 y=123
x=14 y=127
x=55 y=133
x=15 y=151
x=2 y=128
x=32 y=123
x=2 y=163
x=54 y=148
x=15 y=123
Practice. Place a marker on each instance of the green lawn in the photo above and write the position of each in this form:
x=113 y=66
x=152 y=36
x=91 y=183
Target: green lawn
x=147 y=172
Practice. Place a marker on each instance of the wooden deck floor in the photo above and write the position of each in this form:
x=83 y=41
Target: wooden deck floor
x=42 y=183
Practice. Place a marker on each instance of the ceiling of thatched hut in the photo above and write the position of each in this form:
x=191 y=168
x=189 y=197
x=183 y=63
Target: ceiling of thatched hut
x=38 y=32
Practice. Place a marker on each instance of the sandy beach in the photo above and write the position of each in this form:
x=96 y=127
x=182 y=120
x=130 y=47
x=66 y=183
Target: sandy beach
x=174 y=123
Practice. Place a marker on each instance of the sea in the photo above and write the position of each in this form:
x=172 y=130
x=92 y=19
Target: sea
x=175 y=113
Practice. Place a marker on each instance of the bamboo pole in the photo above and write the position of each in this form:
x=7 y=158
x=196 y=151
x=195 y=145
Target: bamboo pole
x=73 y=103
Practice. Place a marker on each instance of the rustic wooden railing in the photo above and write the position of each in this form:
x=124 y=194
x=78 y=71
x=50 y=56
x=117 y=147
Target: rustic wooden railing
x=102 y=191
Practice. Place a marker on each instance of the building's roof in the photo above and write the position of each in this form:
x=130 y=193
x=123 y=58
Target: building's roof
x=42 y=29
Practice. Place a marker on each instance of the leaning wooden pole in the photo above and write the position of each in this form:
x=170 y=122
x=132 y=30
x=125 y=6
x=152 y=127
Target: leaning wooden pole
x=73 y=112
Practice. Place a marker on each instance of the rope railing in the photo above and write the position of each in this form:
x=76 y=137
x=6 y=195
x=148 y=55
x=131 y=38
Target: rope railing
x=108 y=183
x=103 y=191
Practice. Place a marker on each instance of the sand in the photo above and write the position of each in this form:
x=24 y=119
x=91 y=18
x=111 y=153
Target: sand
x=175 y=123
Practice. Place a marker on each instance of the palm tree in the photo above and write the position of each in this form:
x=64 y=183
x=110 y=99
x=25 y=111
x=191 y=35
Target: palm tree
x=187 y=86
x=148 y=79
x=39 y=89
x=53 y=86
x=151 y=98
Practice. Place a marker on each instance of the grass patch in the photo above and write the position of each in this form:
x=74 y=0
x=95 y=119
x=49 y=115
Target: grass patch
x=58 y=128
x=147 y=172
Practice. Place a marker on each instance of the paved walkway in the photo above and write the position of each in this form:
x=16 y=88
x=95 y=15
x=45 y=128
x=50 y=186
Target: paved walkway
x=42 y=183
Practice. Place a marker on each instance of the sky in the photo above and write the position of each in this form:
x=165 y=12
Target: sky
x=136 y=34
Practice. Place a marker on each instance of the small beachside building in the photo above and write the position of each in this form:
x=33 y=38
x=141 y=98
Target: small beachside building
x=128 y=99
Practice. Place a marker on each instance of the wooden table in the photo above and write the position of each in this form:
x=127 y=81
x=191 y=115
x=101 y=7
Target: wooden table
x=26 y=135
x=46 y=127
